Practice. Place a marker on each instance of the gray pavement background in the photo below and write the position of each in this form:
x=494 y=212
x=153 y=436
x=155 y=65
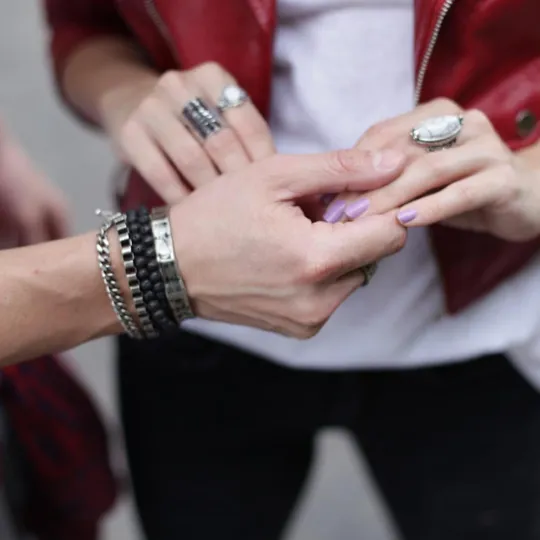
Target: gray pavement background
x=339 y=503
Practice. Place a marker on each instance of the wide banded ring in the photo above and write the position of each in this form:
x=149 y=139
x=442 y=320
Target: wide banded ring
x=438 y=133
x=202 y=119
x=231 y=97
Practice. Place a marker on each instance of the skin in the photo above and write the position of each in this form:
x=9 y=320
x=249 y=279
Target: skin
x=263 y=263
x=141 y=111
x=32 y=209
x=478 y=185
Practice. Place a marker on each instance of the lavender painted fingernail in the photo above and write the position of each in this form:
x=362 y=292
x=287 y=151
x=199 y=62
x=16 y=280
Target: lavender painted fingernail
x=356 y=208
x=406 y=216
x=334 y=212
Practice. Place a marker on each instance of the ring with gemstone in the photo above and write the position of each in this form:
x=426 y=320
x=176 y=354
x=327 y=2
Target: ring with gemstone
x=231 y=97
x=369 y=271
x=201 y=118
x=438 y=133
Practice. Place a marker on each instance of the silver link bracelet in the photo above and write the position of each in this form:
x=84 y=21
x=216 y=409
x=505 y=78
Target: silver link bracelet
x=109 y=279
x=133 y=281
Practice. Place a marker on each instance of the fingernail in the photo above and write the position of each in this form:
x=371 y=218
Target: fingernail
x=406 y=216
x=356 y=208
x=327 y=199
x=334 y=212
x=386 y=160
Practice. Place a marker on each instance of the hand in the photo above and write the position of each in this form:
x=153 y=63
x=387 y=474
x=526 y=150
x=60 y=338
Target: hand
x=478 y=184
x=145 y=122
x=32 y=210
x=257 y=260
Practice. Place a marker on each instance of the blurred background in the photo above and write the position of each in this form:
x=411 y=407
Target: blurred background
x=339 y=502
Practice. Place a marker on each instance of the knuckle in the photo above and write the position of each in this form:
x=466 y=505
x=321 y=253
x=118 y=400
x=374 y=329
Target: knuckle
x=344 y=161
x=381 y=131
x=507 y=179
x=446 y=104
x=170 y=80
x=316 y=268
x=309 y=313
x=208 y=67
x=478 y=118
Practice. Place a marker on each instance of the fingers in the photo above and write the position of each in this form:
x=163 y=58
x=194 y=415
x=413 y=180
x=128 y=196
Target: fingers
x=224 y=148
x=431 y=172
x=246 y=121
x=187 y=155
x=459 y=198
x=151 y=163
x=395 y=131
x=342 y=248
x=333 y=172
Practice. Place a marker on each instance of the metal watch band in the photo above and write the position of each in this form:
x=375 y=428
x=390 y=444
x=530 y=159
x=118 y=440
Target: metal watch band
x=111 y=284
x=175 y=288
x=133 y=281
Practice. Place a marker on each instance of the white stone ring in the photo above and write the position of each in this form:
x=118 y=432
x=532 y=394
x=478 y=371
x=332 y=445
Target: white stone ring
x=231 y=97
x=438 y=133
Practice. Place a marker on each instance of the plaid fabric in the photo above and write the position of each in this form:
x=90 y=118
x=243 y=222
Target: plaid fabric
x=64 y=443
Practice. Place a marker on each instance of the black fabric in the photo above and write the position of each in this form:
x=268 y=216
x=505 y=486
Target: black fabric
x=220 y=442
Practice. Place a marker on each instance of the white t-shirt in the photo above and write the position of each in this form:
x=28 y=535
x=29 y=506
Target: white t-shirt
x=341 y=66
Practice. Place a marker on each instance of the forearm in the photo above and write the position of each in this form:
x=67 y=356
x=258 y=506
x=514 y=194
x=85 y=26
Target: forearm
x=103 y=71
x=53 y=298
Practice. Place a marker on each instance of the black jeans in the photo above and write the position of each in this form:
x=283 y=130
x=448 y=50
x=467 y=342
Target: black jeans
x=220 y=442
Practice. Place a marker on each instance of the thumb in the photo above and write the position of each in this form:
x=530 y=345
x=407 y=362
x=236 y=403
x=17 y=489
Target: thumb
x=335 y=172
x=348 y=246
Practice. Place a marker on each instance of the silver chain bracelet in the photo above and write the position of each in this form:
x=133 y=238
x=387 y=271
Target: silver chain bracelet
x=109 y=279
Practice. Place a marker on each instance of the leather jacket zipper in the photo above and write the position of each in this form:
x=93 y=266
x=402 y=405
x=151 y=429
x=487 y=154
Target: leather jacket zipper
x=159 y=23
x=429 y=51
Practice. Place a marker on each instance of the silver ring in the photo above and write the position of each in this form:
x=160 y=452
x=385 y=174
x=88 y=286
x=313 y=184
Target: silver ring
x=202 y=119
x=231 y=97
x=438 y=133
x=369 y=270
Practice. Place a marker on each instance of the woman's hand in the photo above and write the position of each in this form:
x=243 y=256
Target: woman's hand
x=263 y=263
x=32 y=210
x=478 y=184
x=149 y=130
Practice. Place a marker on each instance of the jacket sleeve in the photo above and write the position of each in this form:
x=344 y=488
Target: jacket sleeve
x=73 y=22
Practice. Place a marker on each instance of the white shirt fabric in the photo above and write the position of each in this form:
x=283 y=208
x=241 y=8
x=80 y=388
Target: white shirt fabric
x=341 y=66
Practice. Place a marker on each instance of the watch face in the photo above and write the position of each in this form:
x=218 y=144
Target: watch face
x=163 y=244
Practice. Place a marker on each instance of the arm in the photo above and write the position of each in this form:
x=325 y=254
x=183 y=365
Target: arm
x=53 y=298
x=93 y=52
x=104 y=78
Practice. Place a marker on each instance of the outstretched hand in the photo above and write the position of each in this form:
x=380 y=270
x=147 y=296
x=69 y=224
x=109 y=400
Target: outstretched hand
x=267 y=265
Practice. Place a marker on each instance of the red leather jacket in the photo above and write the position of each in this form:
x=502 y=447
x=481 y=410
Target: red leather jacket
x=481 y=53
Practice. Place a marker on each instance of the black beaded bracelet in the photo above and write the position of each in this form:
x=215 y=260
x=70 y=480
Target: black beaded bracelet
x=148 y=273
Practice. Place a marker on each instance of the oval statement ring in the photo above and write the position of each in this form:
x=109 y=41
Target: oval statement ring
x=232 y=96
x=438 y=133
